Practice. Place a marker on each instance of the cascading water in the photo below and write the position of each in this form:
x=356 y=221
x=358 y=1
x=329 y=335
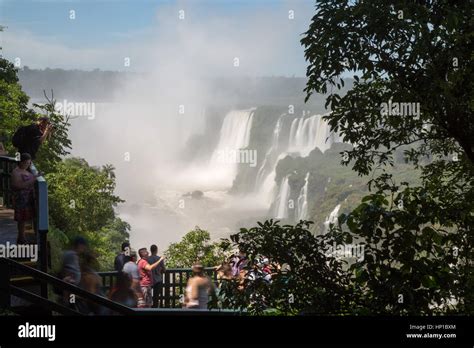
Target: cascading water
x=302 y=202
x=281 y=207
x=234 y=135
x=308 y=133
x=332 y=218
x=235 y=131
x=268 y=162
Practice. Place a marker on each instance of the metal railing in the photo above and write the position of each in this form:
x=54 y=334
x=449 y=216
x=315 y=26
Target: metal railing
x=9 y=267
x=174 y=284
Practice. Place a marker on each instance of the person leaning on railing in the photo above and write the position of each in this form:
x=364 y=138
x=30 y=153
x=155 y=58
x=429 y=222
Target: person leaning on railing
x=22 y=182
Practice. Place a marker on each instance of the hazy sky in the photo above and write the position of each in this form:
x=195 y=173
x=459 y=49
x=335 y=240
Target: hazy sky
x=86 y=34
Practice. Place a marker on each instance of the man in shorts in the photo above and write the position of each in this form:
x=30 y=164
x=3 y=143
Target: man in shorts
x=146 y=276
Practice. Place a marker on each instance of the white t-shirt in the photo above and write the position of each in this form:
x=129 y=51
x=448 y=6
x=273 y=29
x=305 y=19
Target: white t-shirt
x=131 y=269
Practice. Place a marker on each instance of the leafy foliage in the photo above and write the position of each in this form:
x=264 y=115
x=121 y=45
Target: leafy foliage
x=418 y=252
x=404 y=52
x=194 y=246
x=81 y=197
x=417 y=52
x=82 y=201
x=306 y=281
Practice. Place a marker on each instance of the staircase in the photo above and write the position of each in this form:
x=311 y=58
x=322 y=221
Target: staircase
x=35 y=232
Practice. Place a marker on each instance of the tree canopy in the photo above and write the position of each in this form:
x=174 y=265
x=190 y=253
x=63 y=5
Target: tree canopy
x=195 y=246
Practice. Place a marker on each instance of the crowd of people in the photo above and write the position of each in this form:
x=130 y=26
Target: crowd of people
x=239 y=268
x=145 y=277
x=140 y=282
x=140 y=277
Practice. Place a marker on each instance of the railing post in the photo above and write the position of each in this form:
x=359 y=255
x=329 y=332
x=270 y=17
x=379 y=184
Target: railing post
x=5 y=295
x=42 y=225
x=43 y=259
x=167 y=289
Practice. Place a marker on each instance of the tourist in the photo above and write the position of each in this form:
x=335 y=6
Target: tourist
x=225 y=281
x=91 y=282
x=71 y=271
x=130 y=268
x=266 y=269
x=146 y=277
x=238 y=263
x=157 y=275
x=120 y=258
x=29 y=138
x=198 y=289
x=123 y=292
x=22 y=182
x=224 y=271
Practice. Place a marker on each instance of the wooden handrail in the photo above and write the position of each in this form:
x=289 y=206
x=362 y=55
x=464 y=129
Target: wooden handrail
x=173 y=283
x=47 y=278
x=33 y=298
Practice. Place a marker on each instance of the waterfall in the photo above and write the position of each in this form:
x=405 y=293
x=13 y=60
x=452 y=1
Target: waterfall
x=308 y=133
x=235 y=130
x=332 y=218
x=281 y=207
x=269 y=160
x=302 y=203
x=234 y=135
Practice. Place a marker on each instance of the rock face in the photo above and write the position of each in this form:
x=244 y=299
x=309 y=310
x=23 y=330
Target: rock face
x=194 y=194
x=197 y=194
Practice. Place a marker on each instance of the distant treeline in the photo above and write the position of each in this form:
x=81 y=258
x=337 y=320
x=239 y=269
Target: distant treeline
x=100 y=86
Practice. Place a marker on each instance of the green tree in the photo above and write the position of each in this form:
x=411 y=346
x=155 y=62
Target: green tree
x=399 y=51
x=306 y=279
x=107 y=241
x=15 y=113
x=57 y=146
x=419 y=239
x=418 y=251
x=81 y=197
x=82 y=201
x=195 y=246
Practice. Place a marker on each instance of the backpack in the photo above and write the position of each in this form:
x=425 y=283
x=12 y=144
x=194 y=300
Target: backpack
x=19 y=137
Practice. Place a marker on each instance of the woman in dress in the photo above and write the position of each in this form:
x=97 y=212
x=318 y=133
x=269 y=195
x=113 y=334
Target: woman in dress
x=22 y=182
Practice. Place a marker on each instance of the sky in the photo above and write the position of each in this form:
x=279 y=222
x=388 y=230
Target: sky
x=106 y=34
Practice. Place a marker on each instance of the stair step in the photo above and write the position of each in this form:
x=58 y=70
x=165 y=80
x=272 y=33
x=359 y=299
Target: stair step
x=26 y=262
x=22 y=281
x=32 y=264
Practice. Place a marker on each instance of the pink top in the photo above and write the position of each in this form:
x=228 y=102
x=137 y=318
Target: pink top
x=145 y=276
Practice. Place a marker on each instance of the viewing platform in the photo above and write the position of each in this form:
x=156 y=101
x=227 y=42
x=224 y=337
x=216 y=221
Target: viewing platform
x=25 y=285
